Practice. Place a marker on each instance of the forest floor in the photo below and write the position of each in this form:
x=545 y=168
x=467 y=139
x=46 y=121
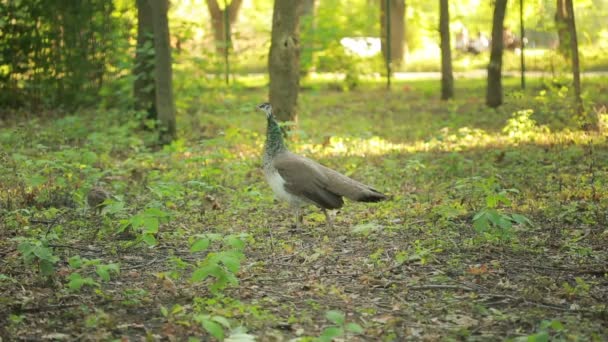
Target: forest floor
x=496 y=227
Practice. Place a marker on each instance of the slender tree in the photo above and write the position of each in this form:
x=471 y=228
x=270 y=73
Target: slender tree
x=284 y=61
x=494 y=88
x=219 y=24
x=397 y=30
x=561 y=24
x=143 y=86
x=163 y=72
x=522 y=56
x=576 y=69
x=447 y=77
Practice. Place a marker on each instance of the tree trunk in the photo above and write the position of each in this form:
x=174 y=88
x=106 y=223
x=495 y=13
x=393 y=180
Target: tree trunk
x=143 y=86
x=494 y=89
x=561 y=24
x=576 y=69
x=397 y=28
x=163 y=72
x=284 y=60
x=447 y=77
x=219 y=25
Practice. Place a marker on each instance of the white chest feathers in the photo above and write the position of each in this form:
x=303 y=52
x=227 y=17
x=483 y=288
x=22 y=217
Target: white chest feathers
x=277 y=183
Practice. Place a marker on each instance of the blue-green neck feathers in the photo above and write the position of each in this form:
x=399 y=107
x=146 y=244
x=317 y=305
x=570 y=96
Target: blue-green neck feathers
x=274 y=138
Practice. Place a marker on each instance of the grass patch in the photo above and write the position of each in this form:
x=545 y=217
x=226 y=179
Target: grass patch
x=495 y=229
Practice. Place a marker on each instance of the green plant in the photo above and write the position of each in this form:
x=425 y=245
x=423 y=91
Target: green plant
x=103 y=271
x=222 y=265
x=77 y=282
x=547 y=331
x=147 y=223
x=491 y=221
x=580 y=289
x=340 y=327
x=37 y=251
x=521 y=127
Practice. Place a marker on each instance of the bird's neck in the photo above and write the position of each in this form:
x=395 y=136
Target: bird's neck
x=274 y=139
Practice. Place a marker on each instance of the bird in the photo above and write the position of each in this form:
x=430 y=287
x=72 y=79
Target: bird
x=301 y=181
x=96 y=198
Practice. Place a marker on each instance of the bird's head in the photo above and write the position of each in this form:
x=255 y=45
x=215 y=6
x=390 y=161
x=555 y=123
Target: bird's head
x=266 y=108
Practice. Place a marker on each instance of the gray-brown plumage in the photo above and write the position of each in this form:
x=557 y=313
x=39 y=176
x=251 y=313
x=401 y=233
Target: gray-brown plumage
x=96 y=198
x=301 y=181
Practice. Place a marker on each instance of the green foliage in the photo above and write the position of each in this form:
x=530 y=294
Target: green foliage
x=520 y=127
x=77 y=281
x=103 y=271
x=490 y=221
x=37 y=252
x=548 y=331
x=340 y=327
x=147 y=223
x=51 y=60
x=222 y=265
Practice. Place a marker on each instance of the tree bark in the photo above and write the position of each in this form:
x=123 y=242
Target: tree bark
x=143 y=86
x=494 y=88
x=219 y=25
x=561 y=24
x=163 y=72
x=397 y=22
x=576 y=69
x=284 y=60
x=447 y=77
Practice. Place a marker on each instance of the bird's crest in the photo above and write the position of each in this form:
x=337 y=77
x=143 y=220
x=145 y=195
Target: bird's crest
x=266 y=108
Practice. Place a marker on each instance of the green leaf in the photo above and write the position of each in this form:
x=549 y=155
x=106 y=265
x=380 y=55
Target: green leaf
x=46 y=267
x=151 y=225
x=149 y=239
x=77 y=281
x=199 y=245
x=75 y=261
x=89 y=157
x=222 y=320
x=155 y=212
x=214 y=329
x=240 y=334
x=335 y=316
x=557 y=325
x=26 y=249
x=103 y=271
x=35 y=180
x=45 y=253
x=235 y=242
x=330 y=333
x=354 y=328
x=521 y=219
x=232 y=260
x=481 y=223
x=203 y=272
x=542 y=336
x=113 y=206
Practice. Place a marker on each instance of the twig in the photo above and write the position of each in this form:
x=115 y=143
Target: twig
x=140 y=265
x=440 y=287
x=74 y=247
x=599 y=271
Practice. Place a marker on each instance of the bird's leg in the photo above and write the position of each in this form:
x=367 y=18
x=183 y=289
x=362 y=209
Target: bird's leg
x=299 y=217
x=328 y=219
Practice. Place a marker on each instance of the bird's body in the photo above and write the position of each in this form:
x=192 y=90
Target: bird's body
x=301 y=181
x=96 y=198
